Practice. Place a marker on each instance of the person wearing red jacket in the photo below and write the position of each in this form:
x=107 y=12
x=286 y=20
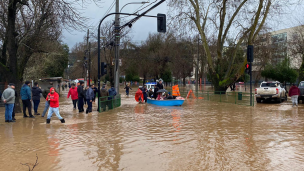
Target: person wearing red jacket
x=294 y=93
x=74 y=94
x=53 y=99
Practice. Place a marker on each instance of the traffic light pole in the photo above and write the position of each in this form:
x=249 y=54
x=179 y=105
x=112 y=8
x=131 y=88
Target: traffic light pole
x=138 y=16
x=251 y=97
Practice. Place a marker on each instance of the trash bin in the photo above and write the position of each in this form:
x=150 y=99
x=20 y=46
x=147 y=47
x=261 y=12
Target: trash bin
x=240 y=96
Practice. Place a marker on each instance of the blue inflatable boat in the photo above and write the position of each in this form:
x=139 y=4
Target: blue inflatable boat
x=170 y=102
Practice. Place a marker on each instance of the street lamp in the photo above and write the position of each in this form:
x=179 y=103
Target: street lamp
x=133 y=3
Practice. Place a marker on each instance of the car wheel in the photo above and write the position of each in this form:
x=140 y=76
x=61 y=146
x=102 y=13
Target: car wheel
x=258 y=100
x=278 y=100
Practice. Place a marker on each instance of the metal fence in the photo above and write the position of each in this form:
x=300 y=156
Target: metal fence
x=239 y=98
x=109 y=102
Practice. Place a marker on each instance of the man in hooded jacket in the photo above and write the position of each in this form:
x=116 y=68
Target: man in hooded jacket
x=53 y=99
x=74 y=95
x=44 y=94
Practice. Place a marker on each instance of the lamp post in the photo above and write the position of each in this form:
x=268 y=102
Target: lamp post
x=133 y=3
x=197 y=64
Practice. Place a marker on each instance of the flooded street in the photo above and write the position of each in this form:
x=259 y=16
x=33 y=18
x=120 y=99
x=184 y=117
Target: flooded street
x=200 y=135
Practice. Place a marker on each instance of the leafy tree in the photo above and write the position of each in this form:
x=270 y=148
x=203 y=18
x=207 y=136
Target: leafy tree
x=55 y=67
x=281 y=72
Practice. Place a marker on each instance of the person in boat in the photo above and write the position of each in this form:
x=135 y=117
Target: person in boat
x=151 y=93
x=160 y=85
x=155 y=92
x=169 y=96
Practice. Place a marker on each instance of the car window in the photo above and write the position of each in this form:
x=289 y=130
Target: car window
x=268 y=85
x=301 y=84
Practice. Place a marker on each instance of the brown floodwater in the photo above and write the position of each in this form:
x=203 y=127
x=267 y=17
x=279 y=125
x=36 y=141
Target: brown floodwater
x=200 y=135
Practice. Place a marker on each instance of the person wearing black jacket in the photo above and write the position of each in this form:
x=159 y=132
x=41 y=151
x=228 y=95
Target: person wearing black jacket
x=81 y=96
x=36 y=97
x=155 y=92
x=160 y=85
x=13 y=114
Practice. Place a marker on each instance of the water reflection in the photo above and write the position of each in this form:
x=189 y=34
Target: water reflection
x=200 y=135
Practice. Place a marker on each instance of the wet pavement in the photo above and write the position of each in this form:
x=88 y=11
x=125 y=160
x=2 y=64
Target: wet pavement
x=200 y=135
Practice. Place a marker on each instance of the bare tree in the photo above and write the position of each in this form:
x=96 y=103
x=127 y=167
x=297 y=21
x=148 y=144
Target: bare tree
x=220 y=21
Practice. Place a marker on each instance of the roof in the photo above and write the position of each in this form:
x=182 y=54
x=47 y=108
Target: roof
x=151 y=83
x=51 y=79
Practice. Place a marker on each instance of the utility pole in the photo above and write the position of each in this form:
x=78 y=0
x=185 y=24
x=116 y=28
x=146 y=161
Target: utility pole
x=88 y=56
x=197 y=61
x=117 y=44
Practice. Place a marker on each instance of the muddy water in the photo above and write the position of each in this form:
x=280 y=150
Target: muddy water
x=200 y=135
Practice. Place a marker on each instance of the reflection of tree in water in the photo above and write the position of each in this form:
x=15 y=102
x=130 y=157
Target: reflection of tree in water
x=104 y=142
x=54 y=144
x=176 y=122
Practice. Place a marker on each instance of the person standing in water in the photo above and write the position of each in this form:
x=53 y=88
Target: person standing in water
x=294 y=93
x=53 y=99
x=8 y=97
x=81 y=96
x=26 y=97
x=74 y=95
x=36 y=91
x=127 y=89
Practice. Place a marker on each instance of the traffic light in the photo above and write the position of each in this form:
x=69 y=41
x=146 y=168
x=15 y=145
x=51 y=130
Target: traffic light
x=247 y=68
x=249 y=53
x=161 y=23
x=103 y=68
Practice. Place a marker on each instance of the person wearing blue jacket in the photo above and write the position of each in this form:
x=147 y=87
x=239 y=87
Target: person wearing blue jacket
x=112 y=94
x=26 y=97
x=89 y=97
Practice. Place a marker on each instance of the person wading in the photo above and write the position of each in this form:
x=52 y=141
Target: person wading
x=127 y=89
x=53 y=99
x=47 y=104
x=36 y=97
x=103 y=94
x=294 y=93
x=8 y=98
x=112 y=94
x=95 y=91
x=74 y=94
x=81 y=96
x=26 y=97
x=89 y=98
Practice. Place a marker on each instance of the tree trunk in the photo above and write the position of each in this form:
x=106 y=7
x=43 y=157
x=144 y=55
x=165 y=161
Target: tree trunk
x=12 y=50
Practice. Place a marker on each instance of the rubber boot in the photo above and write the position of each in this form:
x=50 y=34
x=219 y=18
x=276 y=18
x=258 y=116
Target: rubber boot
x=48 y=121
x=62 y=120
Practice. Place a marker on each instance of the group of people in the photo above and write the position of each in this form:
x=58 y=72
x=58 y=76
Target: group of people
x=29 y=95
x=143 y=93
x=81 y=96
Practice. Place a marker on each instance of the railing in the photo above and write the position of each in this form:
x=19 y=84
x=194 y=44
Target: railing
x=109 y=102
x=239 y=98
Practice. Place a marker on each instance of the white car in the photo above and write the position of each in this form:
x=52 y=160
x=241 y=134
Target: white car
x=270 y=90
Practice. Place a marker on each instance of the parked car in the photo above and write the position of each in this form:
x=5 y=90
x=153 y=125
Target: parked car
x=301 y=87
x=270 y=91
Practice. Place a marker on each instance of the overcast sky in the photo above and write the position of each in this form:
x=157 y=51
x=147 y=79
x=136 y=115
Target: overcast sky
x=140 y=30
